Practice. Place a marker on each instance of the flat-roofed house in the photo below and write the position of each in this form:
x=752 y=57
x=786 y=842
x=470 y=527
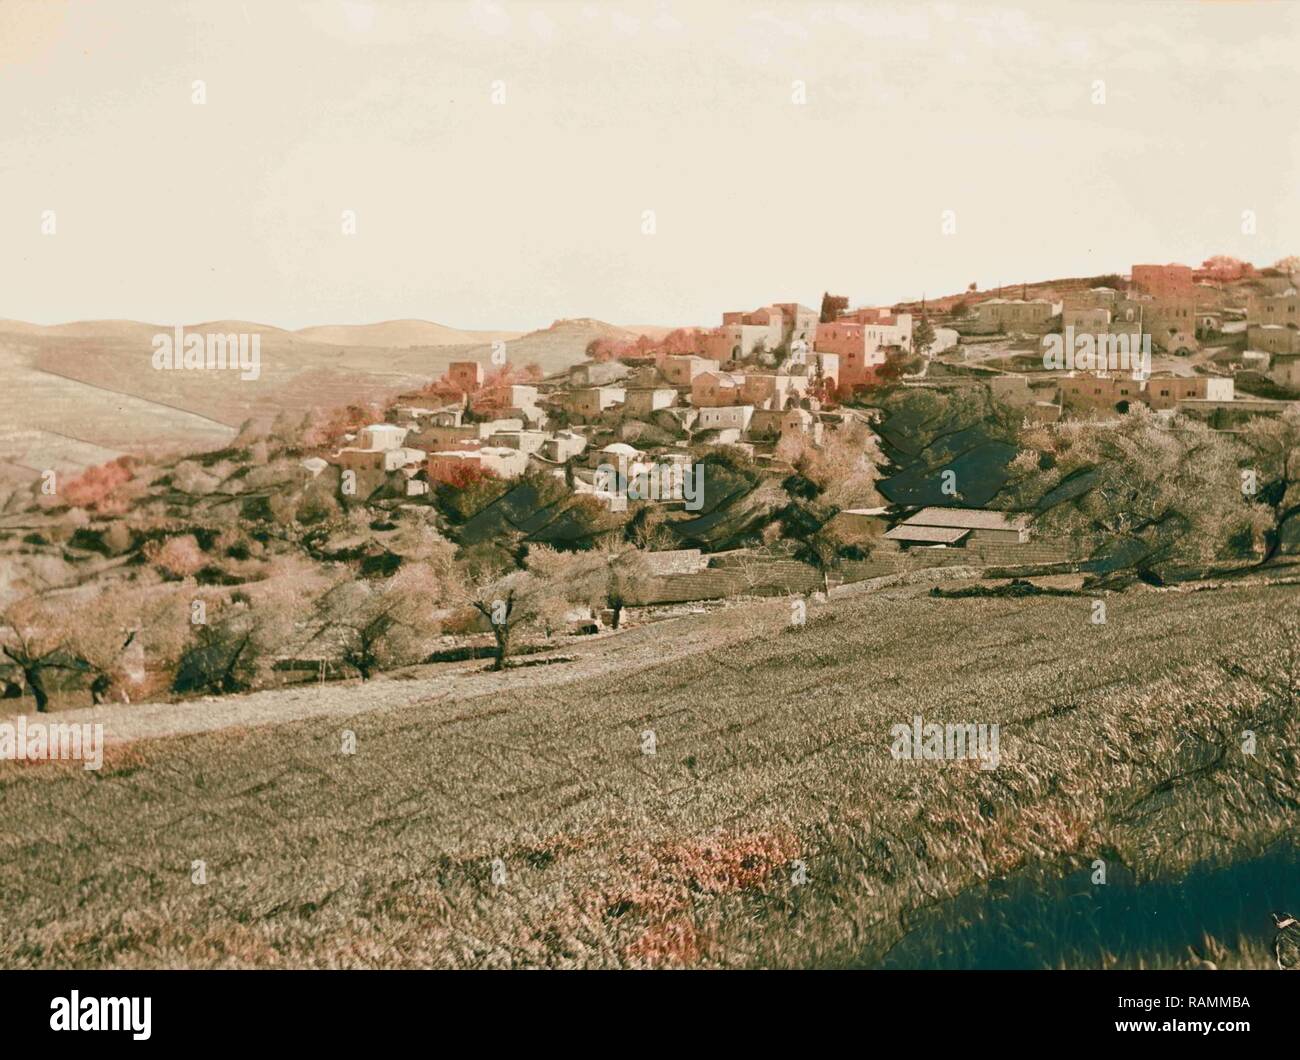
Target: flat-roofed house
x=773 y=424
x=525 y=441
x=591 y=401
x=724 y=417
x=1273 y=338
x=381 y=436
x=641 y=401
x=883 y=326
x=1171 y=323
x=859 y=353
x=466 y=376
x=1167 y=392
x=1033 y=316
x=357 y=459
x=1086 y=390
x=1012 y=389
x=521 y=401
x=716 y=388
x=447 y=437
x=598 y=373
x=1094 y=319
x=1163 y=281
x=744 y=333
x=1283 y=309
x=563 y=446
x=504 y=463
x=798 y=323
x=772 y=390
x=681 y=369
x=448 y=417
x=379 y=449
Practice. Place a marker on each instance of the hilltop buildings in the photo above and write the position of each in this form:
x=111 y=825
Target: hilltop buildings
x=769 y=376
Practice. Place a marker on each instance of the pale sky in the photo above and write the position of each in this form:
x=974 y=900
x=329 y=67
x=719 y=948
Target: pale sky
x=484 y=215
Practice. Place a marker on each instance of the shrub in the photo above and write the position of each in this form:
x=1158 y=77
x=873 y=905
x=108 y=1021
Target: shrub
x=179 y=557
x=95 y=486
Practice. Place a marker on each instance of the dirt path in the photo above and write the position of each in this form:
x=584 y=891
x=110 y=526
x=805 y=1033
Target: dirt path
x=628 y=651
x=576 y=659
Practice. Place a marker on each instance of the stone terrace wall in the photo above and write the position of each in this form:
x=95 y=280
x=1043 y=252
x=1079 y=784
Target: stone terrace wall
x=766 y=576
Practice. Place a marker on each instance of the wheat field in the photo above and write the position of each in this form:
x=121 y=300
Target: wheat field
x=770 y=827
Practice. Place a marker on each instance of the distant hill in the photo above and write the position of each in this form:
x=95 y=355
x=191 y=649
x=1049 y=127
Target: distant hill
x=400 y=333
x=131 y=330
x=80 y=393
x=107 y=329
x=563 y=344
x=651 y=331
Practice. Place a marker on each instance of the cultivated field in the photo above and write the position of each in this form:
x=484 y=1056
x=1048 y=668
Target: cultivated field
x=770 y=828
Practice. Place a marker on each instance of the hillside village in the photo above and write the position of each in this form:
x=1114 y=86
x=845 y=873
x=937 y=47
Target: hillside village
x=782 y=372
x=786 y=451
x=780 y=378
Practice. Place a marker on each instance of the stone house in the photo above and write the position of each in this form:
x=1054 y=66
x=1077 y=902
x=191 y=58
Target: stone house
x=1273 y=338
x=591 y=401
x=772 y=390
x=775 y=424
x=503 y=462
x=716 y=388
x=1034 y=316
x=1163 y=281
x=681 y=369
x=1280 y=309
x=597 y=373
x=563 y=446
x=858 y=351
x=723 y=417
x=466 y=376
x=642 y=402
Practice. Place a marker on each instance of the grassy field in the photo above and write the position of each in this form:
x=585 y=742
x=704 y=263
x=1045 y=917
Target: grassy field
x=771 y=827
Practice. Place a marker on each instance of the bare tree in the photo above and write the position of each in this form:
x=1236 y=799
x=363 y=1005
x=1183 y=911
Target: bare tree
x=374 y=625
x=35 y=640
x=512 y=600
x=623 y=574
x=234 y=646
x=1275 y=447
x=106 y=631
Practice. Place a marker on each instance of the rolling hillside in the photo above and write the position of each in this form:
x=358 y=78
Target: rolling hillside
x=78 y=394
x=400 y=333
